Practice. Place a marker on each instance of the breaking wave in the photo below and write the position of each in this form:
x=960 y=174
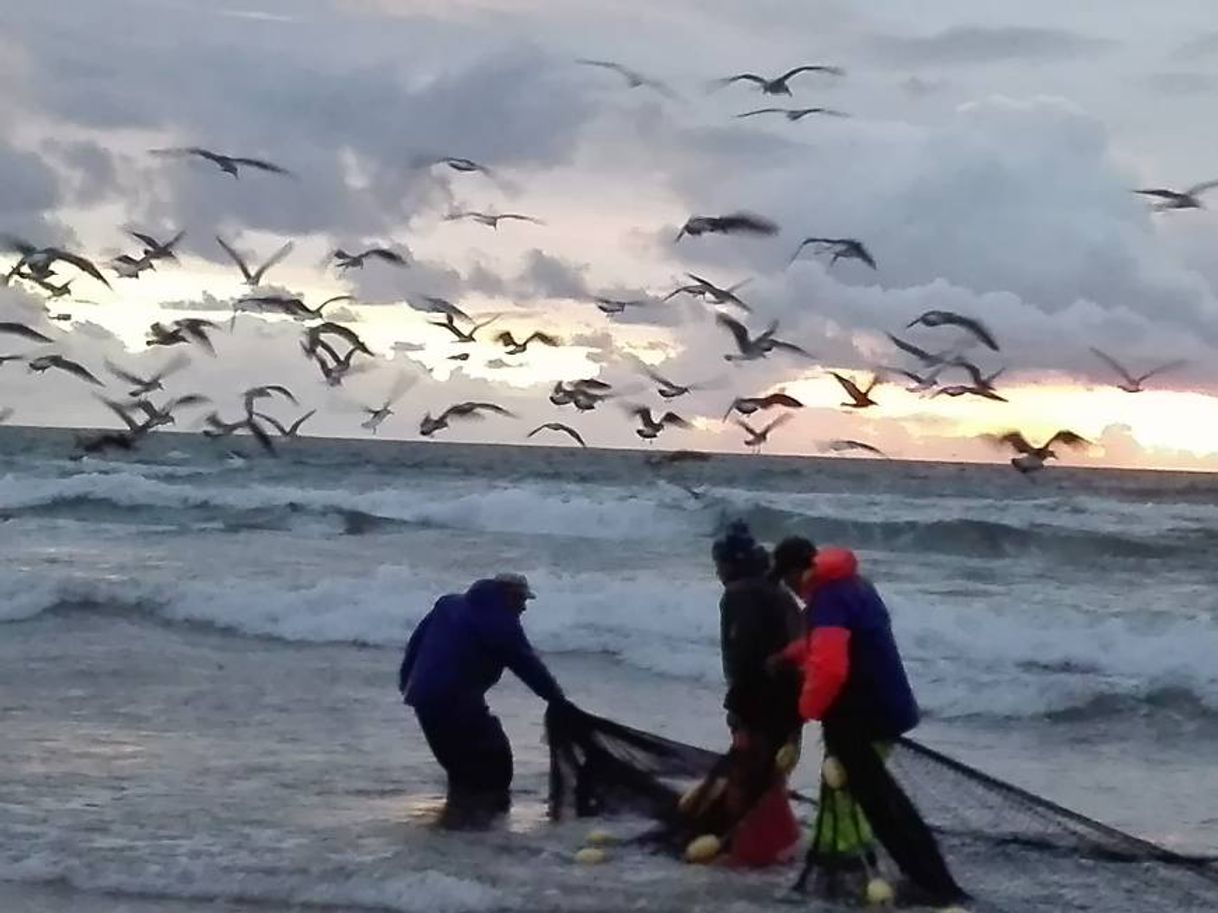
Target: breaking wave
x=655 y=511
x=1080 y=667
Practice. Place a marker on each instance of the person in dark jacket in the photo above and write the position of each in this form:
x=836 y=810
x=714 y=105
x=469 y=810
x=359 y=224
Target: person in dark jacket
x=454 y=656
x=746 y=798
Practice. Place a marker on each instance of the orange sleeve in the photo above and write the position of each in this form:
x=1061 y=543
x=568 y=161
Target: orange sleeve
x=795 y=653
x=826 y=667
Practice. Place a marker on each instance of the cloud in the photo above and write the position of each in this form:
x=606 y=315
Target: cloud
x=1012 y=208
x=1205 y=45
x=1182 y=83
x=546 y=276
x=307 y=107
x=966 y=45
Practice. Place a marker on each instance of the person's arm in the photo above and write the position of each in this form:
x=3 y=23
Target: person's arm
x=738 y=640
x=412 y=652
x=518 y=655
x=826 y=669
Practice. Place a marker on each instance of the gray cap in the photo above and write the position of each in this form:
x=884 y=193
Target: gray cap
x=518 y=581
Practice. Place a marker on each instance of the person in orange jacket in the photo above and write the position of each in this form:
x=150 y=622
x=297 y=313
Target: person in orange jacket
x=854 y=683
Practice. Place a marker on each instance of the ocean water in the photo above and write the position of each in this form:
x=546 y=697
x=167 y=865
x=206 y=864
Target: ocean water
x=198 y=650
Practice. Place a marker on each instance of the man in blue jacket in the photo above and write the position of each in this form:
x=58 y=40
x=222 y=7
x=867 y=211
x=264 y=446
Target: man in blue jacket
x=456 y=654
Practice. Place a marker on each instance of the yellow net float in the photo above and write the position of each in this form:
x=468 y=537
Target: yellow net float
x=833 y=773
x=591 y=855
x=703 y=849
x=787 y=757
x=600 y=838
x=879 y=893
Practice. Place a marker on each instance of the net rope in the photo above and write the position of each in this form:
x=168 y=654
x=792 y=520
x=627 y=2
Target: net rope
x=1011 y=849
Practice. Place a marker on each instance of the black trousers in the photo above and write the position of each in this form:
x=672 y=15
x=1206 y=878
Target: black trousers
x=892 y=815
x=474 y=752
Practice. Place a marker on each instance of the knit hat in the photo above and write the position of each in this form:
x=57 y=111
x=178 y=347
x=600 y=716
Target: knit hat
x=737 y=546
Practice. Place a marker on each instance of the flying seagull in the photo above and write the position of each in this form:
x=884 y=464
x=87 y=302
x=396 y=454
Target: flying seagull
x=732 y=223
x=611 y=306
x=508 y=341
x=951 y=318
x=129 y=267
x=747 y=405
x=315 y=339
x=667 y=388
x=158 y=250
x=154 y=416
x=429 y=426
x=460 y=165
x=859 y=398
x=218 y=428
x=12 y=328
x=778 y=85
x=39 y=261
x=1132 y=384
x=957 y=390
x=292 y=430
x=794 y=114
x=1032 y=459
x=634 y=79
x=845 y=445
x=649 y=427
x=345 y=261
x=562 y=429
x=339 y=369
x=290 y=305
x=758 y=437
x=254 y=278
x=229 y=164
x=182 y=332
x=841 y=248
x=142 y=386
x=1178 y=199
x=752 y=348
x=491 y=219
x=584 y=395
x=921 y=383
x=709 y=292
x=930 y=359
x=464 y=336
x=429 y=304
x=377 y=415
x=55 y=291
x=982 y=382
x=45 y=362
x=251 y=396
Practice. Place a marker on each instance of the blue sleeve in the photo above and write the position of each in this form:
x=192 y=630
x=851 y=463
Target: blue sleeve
x=412 y=652
x=830 y=608
x=514 y=650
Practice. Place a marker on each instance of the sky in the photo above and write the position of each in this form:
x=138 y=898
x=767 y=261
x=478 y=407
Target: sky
x=987 y=163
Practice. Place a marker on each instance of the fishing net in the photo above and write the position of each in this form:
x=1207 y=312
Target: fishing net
x=1009 y=848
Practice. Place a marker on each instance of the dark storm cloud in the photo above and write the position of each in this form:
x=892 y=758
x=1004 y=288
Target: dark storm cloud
x=332 y=100
x=971 y=44
x=546 y=276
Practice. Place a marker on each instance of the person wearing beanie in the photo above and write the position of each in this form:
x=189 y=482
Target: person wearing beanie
x=746 y=802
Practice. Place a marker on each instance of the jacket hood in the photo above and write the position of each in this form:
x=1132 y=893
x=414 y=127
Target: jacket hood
x=830 y=565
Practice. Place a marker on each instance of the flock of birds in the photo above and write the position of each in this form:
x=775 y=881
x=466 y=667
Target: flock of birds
x=338 y=352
